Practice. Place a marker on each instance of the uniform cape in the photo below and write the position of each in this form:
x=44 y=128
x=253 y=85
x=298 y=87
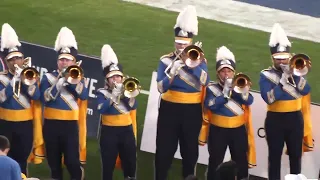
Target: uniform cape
x=38 y=153
x=251 y=154
x=308 y=142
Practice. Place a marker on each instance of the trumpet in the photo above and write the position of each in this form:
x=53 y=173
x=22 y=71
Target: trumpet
x=73 y=75
x=131 y=88
x=28 y=76
x=240 y=83
x=299 y=65
x=192 y=56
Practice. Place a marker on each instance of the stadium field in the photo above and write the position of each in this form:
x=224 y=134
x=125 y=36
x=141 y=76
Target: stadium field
x=139 y=35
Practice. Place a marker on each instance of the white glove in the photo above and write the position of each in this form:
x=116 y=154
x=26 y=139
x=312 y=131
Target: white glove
x=285 y=68
x=198 y=43
x=284 y=79
x=61 y=83
x=117 y=90
x=176 y=67
x=227 y=87
x=18 y=70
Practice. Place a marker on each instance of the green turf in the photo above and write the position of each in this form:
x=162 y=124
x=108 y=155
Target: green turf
x=139 y=35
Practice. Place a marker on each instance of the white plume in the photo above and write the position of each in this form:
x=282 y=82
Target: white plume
x=65 y=38
x=9 y=37
x=187 y=20
x=108 y=56
x=278 y=35
x=223 y=53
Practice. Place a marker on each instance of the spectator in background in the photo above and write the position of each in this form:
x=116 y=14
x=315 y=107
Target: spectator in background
x=227 y=171
x=9 y=168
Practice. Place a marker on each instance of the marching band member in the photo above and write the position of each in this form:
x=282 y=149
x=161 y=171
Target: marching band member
x=180 y=113
x=288 y=116
x=20 y=108
x=118 y=130
x=230 y=118
x=65 y=109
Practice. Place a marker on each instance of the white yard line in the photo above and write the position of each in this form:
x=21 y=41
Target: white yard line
x=246 y=15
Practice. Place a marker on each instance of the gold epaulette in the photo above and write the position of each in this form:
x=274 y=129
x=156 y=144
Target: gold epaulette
x=268 y=69
x=4 y=72
x=167 y=55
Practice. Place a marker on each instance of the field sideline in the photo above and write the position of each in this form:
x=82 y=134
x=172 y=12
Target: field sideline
x=139 y=35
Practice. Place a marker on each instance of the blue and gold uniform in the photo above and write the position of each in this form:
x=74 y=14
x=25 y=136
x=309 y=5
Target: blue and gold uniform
x=229 y=123
x=288 y=109
x=20 y=116
x=65 y=109
x=180 y=113
x=118 y=122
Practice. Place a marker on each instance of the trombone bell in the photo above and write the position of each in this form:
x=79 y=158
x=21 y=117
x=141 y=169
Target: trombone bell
x=300 y=64
x=131 y=87
x=241 y=83
x=194 y=56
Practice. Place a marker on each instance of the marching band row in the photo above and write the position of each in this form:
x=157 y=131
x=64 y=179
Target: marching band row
x=193 y=110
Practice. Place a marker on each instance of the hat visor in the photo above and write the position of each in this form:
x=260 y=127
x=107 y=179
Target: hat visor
x=183 y=40
x=281 y=56
x=66 y=56
x=113 y=73
x=225 y=66
x=14 y=54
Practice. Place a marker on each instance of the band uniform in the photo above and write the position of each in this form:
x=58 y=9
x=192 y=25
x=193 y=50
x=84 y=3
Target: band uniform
x=288 y=106
x=65 y=109
x=118 y=129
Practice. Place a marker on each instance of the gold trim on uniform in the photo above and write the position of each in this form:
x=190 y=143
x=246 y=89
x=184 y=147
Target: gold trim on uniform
x=182 y=97
x=286 y=105
x=16 y=115
x=117 y=120
x=59 y=114
x=227 y=122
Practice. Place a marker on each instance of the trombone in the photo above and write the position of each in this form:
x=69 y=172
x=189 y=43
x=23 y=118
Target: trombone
x=299 y=65
x=131 y=88
x=192 y=56
x=241 y=84
x=28 y=76
x=73 y=75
